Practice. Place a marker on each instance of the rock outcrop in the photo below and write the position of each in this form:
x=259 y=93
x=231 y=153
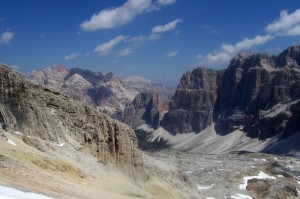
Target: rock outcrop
x=191 y=108
x=257 y=93
x=146 y=108
x=43 y=113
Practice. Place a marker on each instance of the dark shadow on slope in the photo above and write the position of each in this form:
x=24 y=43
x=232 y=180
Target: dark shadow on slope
x=289 y=145
x=146 y=145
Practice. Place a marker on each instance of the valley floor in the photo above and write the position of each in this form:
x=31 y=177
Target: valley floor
x=228 y=175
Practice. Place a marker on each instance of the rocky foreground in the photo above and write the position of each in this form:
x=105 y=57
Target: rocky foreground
x=238 y=175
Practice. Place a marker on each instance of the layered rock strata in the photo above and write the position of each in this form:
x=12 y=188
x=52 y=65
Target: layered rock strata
x=257 y=93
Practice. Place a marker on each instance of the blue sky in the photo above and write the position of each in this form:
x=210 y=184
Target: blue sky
x=157 y=39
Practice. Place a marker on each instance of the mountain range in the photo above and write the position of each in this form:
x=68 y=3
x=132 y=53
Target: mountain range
x=107 y=92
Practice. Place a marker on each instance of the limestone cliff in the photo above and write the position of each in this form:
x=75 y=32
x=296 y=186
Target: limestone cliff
x=260 y=93
x=40 y=112
x=146 y=108
x=257 y=93
x=191 y=108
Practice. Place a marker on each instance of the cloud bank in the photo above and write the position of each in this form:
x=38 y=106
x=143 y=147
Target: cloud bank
x=286 y=25
x=167 y=27
x=71 y=56
x=105 y=48
x=122 y=15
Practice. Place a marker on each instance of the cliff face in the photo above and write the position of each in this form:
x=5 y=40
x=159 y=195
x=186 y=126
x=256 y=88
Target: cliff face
x=146 y=108
x=191 y=108
x=257 y=93
x=42 y=113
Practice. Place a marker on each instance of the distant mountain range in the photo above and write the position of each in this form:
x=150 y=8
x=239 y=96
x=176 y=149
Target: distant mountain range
x=107 y=92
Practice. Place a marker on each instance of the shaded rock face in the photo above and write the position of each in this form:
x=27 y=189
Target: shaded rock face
x=146 y=108
x=191 y=108
x=43 y=113
x=257 y=92
x=260 y=93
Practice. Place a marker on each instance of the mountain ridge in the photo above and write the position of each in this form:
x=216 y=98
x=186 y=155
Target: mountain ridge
x=107 y=92
x=257 y=94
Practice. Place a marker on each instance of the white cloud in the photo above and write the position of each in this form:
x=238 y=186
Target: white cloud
x=293 y=31
x=246 y=43
x=227 y=51
x=116 y=17
x=154 y=37
x=166 y=27
x=71 y=56
x=105 y=48
x=166 y=2
x=287 y=24
x=172 y=54
x=125 y=52
x=136 y=41
x=6 y=37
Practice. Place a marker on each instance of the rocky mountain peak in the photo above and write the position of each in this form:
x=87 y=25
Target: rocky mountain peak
x=199 y=78
x=289 y=57
x=59 y=68
x=240 y=96
x=246 y=61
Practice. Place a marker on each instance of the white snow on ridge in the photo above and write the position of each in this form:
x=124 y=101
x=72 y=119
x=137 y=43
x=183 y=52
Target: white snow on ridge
x=11 y=142
x=205 y=187
x=209 y=197
x=18 y=133
x=11 y=193
x=241 y=196
x=261 y=175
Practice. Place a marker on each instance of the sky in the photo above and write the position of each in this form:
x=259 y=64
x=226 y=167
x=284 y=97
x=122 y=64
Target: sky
x=156 y=39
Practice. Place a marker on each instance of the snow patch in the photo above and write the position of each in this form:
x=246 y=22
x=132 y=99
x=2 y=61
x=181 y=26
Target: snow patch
x=205 y=187
x=261 y=175
x=207 y=197
x=241 y=196
x=11 y=193
x=298 y=182
x=61 y=144
x=18 y=133
x=11 y=142
x=280 y=176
